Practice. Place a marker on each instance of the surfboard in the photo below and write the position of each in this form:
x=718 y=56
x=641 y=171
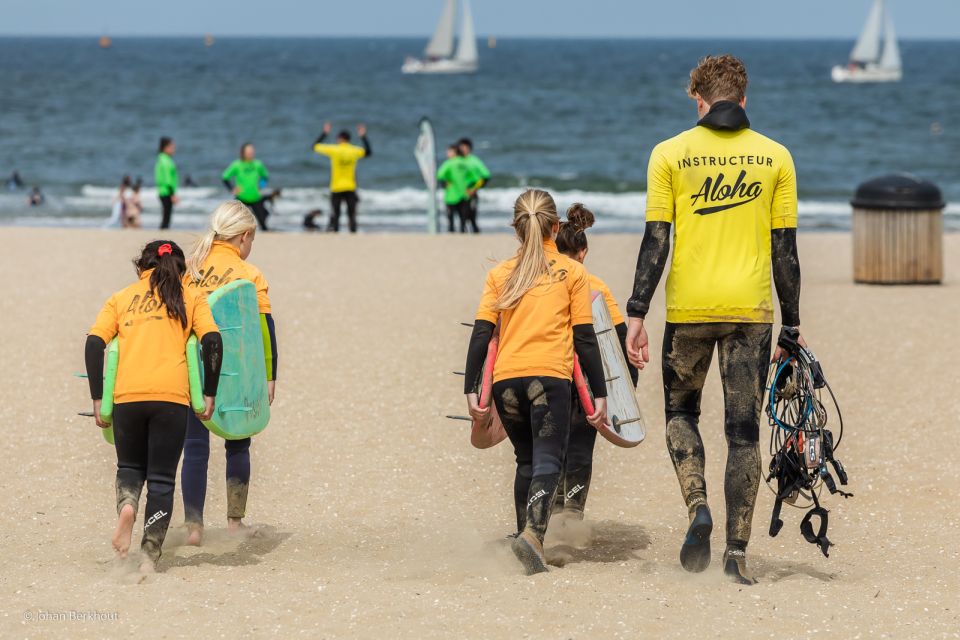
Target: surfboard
x=242 y=406
x=112 y=363
x=626 y=427
x=489 y=432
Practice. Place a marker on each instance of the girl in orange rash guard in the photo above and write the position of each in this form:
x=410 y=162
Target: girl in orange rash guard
x=152 y=320
x=542 y=300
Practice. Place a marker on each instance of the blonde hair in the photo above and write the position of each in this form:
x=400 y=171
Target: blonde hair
x=534 y=215
x=231 y=219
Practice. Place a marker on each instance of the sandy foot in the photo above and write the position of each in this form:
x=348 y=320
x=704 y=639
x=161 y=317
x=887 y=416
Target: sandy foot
x=124 y=530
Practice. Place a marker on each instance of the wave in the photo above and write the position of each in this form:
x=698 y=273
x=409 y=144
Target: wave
x=396 y=209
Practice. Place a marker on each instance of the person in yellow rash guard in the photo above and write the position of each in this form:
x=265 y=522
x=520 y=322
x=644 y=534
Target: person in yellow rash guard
x=152 y=320
x=730 y=195
x=343 y=172
x=578 y=463
x=218 y=258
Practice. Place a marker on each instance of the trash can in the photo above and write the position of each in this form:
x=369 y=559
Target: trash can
x=898 y=231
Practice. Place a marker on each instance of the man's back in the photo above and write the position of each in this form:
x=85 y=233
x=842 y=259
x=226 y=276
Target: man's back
x=343 y=164
x=724 y=188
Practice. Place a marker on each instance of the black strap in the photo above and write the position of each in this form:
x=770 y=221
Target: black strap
x=820 y=538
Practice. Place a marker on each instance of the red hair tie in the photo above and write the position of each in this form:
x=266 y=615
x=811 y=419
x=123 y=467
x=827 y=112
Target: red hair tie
x=164 y=249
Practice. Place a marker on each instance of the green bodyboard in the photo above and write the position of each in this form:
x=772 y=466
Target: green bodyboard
x=112 y=363
x=242 y=406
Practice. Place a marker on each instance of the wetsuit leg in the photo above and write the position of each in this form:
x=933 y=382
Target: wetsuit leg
x=260 y=212
x=744 y=358
x=335 y=200
x=166 y=208
x=130 y=438
x=578 y=466
x=463 y=212
x=238 y=476
x=452 y=210
x=687 y=352
x=193 y=473
x=513 y=411
x=473 y=205
x=352 y=200
x=167 y=428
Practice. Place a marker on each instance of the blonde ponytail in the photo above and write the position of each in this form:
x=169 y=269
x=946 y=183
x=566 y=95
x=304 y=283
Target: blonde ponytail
x=231 y=219
x=534 y=215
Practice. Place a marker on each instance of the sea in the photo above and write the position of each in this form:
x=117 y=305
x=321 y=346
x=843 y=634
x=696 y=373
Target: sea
x=578 y=117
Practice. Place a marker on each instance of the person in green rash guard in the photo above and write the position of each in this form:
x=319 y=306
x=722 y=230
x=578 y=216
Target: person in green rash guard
x=478 y=177
x=165 y=175
x=454 y=174
x=248 y=175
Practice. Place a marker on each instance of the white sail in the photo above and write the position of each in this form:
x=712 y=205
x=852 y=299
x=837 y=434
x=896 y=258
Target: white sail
x=867 y=48
x=441 y=44
x=426 y=154
x=467 y=47
x=891 y=50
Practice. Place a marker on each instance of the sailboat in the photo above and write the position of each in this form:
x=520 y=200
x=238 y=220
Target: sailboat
x=876 y=56
x=439 y=56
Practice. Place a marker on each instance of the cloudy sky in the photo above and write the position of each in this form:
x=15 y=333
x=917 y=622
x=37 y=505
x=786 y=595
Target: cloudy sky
x=504 y=18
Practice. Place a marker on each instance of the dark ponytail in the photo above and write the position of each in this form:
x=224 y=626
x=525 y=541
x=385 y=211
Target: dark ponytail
x=166 y=282
x=572 y=237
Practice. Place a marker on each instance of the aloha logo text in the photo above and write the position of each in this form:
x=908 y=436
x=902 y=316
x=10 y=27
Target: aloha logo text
x=714 y=190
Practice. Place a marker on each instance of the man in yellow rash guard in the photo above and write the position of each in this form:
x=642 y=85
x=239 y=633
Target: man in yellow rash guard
x=343 y=172
x=731 y=196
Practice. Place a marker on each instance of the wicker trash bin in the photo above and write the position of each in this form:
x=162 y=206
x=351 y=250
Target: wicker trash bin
x=898 y=231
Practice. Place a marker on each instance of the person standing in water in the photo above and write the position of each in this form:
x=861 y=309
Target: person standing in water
x=343 y=172
x=165 y=175
x=578 y=463
x=152 y=320
x=248 y=176
x=219 y=257
x=541 y=299
x=731 y=195
x=453 y=175
x=478 y=177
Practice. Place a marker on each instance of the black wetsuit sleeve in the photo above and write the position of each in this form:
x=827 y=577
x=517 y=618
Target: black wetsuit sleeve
x=588 y=350
x=320 y=138
x=212 y=346
x=622 y=335
x=366 y=147
x=274 y=353
x=477 y=354
x=227 y=184
x=651 y=261
x=786 y=274
x=93 y=356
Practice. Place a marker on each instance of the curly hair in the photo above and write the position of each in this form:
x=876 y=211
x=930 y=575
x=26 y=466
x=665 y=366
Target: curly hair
x=718 y=78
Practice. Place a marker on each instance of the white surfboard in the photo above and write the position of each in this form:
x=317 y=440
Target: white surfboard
x=626 y=420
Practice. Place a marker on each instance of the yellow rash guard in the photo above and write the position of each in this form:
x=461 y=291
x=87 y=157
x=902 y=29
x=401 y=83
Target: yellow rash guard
x=724 y=191
x=343 y=164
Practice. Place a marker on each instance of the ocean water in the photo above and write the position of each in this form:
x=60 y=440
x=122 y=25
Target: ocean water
x=578 y=117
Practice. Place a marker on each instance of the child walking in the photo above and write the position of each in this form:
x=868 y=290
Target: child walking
x=542 y=301
x=152 y=319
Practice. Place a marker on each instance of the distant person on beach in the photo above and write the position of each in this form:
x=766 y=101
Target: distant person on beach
x=152 y=320
x=134 y=207
x=244 y=178
x=453 y=176
x=310 y=220
x=189 y=181
x=541 y=300
x=15 y=182
x=36 y=197
x=343 y=172
x=118 y=216
x=479 y=176
x=165 y=175
x=733 y=200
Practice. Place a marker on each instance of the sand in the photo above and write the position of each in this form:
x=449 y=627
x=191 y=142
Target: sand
x=375 y=517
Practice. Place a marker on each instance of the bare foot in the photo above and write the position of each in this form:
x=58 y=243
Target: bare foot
x=194 y=535
x=147 y=566
x=236 y=525
x=124 y=530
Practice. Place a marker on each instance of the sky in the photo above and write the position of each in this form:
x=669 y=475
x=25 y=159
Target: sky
x=501 y=18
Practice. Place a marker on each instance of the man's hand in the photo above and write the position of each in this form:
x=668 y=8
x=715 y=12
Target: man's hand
x=638 y=349
x=477 y=412
x=174 y=198
x=598 y=419
x=96 y=415
x=361 y=130
x=327 y=127
x=271 y=390
x=236 y=190
x=780 y=354
x=208 y=402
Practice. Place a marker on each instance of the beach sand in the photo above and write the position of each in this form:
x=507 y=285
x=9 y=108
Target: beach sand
x=375 y=517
